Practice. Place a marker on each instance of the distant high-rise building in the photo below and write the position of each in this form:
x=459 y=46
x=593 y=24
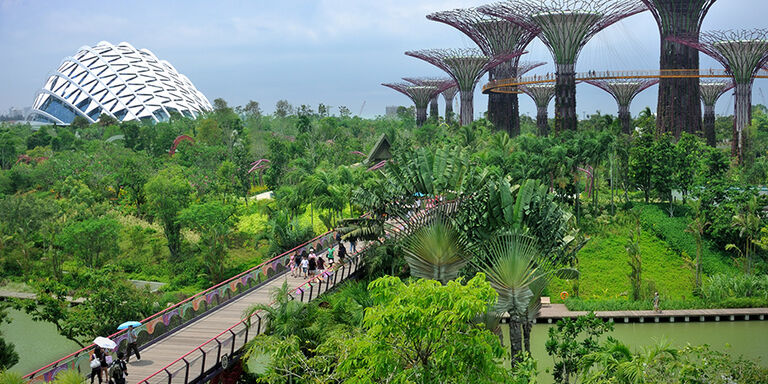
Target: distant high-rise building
x=391 y=111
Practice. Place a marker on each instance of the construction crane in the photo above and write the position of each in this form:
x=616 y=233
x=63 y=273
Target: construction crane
x=361 y=108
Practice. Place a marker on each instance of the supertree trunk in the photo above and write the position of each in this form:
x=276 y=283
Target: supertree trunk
x=709 y=125
x=625 y=119
x=503 y=108
x=433 y=111
x=448 y=109
x=542 y=121
x=679 y=108
x=467 y=107
x=741 y=117
x=421 y=116
x=565 y=98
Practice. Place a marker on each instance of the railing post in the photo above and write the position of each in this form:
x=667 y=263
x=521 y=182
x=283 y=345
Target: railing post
x=334 y=277
x=327 y=282
x=234 y=337
x=218 y=350
x=202 y=368
x=302 y=294
x=258 y=327
x=311 y=288
x=170 y=377
x=186 y=370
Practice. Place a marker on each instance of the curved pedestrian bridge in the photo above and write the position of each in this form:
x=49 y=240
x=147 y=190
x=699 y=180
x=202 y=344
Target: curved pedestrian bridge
x=189 y=341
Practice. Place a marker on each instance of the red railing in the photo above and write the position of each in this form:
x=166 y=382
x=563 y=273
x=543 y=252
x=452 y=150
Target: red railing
x=189 y=360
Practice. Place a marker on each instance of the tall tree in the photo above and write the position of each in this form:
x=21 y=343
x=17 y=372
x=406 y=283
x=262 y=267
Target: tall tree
x=168 y=193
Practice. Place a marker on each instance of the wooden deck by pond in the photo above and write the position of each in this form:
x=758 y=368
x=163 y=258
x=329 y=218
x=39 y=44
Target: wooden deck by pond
x=554 y=312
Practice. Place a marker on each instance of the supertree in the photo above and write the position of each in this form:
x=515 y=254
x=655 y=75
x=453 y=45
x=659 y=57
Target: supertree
x=448 y=95
x=541 y=94
x=420 y=94
x=679 y=107
x=565 y=26
x=624 y=91
x=466 y=66
x=710 y=92
x=439 y=82
x=743 y=53
x=494 y=36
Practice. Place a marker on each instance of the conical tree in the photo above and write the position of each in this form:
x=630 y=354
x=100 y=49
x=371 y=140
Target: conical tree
x=542 y=95
x=439 y=82
x=420 y=95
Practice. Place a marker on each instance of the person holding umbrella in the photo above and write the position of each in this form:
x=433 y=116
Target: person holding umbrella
x=103 y=344
x=131 y=338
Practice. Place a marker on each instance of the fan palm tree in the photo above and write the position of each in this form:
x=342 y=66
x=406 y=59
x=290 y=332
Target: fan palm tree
x=515 y=267
x=436 y=251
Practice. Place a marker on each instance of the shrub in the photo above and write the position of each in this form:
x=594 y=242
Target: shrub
x=672 y=231
x=724 y=287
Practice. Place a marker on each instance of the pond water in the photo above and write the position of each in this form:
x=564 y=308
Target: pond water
x=746 y=338
x=37 y=343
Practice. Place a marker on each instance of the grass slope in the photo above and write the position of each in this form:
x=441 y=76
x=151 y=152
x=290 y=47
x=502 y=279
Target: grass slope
x=604 y=268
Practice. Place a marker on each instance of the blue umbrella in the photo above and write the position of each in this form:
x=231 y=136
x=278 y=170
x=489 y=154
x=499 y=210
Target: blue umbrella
x=128 y=324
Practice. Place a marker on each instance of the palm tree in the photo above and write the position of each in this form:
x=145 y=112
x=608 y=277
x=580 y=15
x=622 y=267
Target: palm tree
x=282 y=316
x=748 y=223
x=516 y=269
x=436 y=251
x=696 y=228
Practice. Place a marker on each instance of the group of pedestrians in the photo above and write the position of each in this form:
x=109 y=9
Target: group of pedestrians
x=103 y=366
x=311 y=264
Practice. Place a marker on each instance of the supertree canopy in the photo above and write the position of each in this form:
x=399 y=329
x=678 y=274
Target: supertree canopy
x=494 y=36
x=679 y=108
x=419 y=94
x=541 y=94
x=448 y=95
x=742 y=53
x=565 y=26
x=466 y=66
x=710 y=92
x=439 y=82
x=624 y=91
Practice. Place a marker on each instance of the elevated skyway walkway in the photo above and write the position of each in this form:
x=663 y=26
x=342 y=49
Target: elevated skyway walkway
x=510 y=85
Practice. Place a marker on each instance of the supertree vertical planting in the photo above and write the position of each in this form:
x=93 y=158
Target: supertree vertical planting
x=448 y=96
x=624 y=91
x=565 y=26
x=494 y=36
x=419 y=94
x=679 y=108
x=541 y=94
x=466 y=66
x=439 y=82
x=710 y=92
x=742 y=53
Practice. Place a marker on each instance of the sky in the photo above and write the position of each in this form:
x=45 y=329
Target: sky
x=335 y=52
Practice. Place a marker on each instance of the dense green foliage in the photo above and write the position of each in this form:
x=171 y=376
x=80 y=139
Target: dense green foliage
x=78 y=213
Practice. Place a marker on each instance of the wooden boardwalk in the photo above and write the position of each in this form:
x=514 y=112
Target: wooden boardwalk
x=157 y=356
x=555 y=312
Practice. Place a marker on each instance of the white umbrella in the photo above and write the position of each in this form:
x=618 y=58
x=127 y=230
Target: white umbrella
x=104 y=343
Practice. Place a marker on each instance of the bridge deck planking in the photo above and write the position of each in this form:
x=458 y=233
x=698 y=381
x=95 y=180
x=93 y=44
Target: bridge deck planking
x=158 y=355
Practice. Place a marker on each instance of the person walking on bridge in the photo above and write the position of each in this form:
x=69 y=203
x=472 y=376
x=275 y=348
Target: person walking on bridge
x=131 y=335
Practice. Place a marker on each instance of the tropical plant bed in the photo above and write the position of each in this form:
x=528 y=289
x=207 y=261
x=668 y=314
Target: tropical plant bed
x=577 y=304
x=604 y=269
